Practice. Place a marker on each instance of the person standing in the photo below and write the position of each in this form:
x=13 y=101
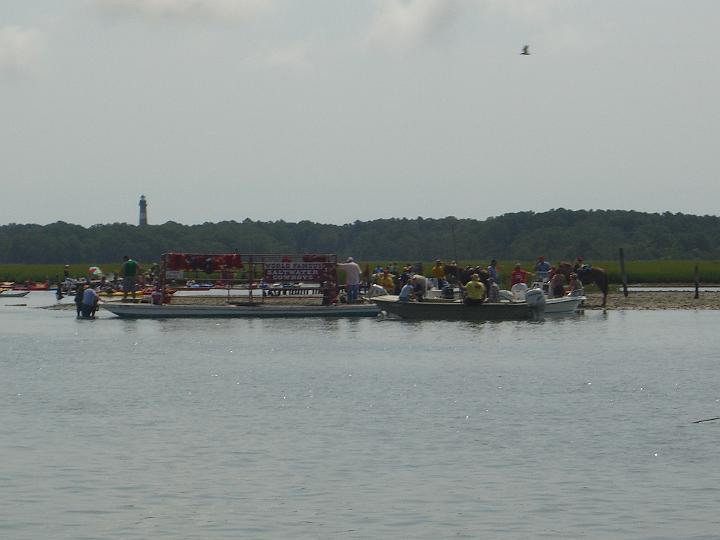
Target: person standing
x=542 y=269
x=130 y=270
x=79 y=290
x=387 y=282
x=492 y=271
x=352 y=279
x=518 y=275
x=438 y=272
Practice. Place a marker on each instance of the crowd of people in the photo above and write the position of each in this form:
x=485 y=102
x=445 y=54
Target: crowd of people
x=87 y=290
x=476 y=283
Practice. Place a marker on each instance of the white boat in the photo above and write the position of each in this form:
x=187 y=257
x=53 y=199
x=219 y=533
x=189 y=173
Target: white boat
x=256 y=310
x=560 y=304
x=563 y=304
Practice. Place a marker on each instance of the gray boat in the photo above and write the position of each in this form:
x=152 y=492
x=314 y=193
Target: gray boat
x=458 y=311
x=257 y=310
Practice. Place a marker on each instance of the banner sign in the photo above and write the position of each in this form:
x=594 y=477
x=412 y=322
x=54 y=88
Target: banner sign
x=289 y=272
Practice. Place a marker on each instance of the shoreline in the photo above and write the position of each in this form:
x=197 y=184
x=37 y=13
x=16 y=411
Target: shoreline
x=683 y=300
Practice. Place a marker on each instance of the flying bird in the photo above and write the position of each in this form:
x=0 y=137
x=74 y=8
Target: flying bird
x=526 y=50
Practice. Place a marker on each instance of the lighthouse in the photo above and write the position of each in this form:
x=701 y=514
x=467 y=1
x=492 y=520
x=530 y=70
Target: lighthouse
x=143 y=211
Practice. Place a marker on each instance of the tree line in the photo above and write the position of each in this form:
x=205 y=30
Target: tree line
x=557 y=234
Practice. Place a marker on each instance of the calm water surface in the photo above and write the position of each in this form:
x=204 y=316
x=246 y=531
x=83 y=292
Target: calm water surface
x=205 y=429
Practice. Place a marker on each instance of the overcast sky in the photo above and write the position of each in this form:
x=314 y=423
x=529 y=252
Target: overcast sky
x=342 y=110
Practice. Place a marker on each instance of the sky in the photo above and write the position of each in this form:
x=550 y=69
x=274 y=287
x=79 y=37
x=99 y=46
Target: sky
x=341 y=110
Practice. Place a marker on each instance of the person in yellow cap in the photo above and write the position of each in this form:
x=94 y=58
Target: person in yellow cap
x=474 y=291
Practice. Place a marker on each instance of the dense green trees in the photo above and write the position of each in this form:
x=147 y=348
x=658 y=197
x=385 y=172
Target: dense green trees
x=557 y=234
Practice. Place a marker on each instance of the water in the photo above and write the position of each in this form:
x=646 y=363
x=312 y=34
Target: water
x=571 y=428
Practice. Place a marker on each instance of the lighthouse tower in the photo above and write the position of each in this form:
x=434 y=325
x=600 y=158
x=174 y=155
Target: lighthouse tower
x=143 y=211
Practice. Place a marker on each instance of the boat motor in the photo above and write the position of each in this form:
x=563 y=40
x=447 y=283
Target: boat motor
x=536 y=300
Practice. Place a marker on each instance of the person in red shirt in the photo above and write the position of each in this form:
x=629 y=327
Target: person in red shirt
x=518 y=275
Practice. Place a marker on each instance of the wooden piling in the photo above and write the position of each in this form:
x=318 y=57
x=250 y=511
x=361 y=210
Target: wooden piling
x=622 y=272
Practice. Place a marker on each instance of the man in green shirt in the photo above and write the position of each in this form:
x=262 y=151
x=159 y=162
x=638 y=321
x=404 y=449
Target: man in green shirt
x=130 y=270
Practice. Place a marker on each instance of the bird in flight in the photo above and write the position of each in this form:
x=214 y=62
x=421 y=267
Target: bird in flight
x=526 y=50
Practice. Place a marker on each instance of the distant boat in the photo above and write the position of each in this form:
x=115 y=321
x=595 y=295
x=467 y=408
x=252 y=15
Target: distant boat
x=13 y=294
x=526 y=50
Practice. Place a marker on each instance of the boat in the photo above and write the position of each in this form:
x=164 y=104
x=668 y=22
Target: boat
x=247 y=292
x=570 y=303
x=456 y=310
x=9 y=293
x=255 y=310
x=563 y=304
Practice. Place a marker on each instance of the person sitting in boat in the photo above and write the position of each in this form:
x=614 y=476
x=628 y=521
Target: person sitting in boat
x=542 y=269
x=419 y=283
x=518 y=275
x=407 y=292
x=557 y=285
x=474 y=291
x=576 y=286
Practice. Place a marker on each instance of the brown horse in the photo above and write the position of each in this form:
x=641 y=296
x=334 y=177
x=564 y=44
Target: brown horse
x=588 y=275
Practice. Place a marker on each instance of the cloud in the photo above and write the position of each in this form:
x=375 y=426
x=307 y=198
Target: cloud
x=187 y=9
x=295 y=56
x=19 y=48
x=529 y=10
x=401 y=25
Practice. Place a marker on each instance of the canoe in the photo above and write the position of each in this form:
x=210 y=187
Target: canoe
x=258 y=310
x=458 y=311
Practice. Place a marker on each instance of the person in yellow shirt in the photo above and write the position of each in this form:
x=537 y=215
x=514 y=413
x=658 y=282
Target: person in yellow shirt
x=387 y=282
x=438 y=272
x=474 y=291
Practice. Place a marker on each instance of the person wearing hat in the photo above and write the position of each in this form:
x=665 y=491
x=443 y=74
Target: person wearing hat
x=474 y=291
x=352 y=279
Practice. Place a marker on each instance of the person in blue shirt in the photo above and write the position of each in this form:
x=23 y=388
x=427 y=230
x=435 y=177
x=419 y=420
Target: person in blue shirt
x=542 y=269
x=407 y=292
x=493 y=271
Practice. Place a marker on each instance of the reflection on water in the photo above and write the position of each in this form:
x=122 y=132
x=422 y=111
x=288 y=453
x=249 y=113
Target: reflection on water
x=324 y=428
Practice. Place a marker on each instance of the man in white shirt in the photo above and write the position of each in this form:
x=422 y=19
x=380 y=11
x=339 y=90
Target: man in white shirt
x=352 y=279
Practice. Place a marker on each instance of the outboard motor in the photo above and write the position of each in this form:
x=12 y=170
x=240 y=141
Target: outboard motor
x=376 y=290
x=519 y=290
x=448 y=292
x=536 y=300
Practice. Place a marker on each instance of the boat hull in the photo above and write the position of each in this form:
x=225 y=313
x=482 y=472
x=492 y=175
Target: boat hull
x=563 y=305
x=170 y=311
x=457 y=311
x=13 y=294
